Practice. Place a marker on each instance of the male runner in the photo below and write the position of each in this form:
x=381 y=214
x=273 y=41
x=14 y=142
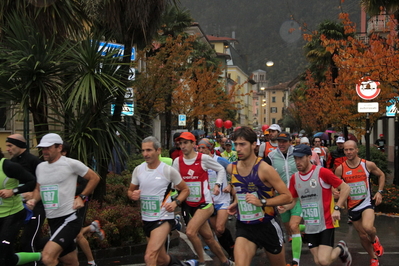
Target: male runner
x=283 y=162
x=221 y=202
x=312 y=185
x=255 y=183
x=152 y=182
x=56 y=186
x=198 y=206
x=356 y=172
x=31 y=233
x=272 y=144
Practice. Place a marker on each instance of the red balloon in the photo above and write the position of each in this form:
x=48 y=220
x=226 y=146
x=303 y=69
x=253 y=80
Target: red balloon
x=219 y=122
x=265 y=127
x=228 y=124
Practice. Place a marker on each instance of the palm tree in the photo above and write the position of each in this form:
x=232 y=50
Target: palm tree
x=127 y=22
x=62 y=18
x=94 y=81
x=320 y=59
x=374 y=7
x=30 y=70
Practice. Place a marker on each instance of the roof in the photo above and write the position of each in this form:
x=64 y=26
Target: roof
x=281 y=86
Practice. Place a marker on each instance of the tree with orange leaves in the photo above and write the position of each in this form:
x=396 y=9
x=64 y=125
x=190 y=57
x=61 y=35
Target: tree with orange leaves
x=333 y=100
x=202 y=95
x=177 y=72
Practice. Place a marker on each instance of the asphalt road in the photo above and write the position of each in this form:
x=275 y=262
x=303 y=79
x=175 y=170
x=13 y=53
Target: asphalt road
x=387 y=230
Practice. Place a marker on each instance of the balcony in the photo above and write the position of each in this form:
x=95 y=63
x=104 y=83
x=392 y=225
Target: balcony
x=379 y=25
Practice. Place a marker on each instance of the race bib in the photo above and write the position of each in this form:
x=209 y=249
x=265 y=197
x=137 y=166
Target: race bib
x=195 y=191
x=311 y=213
x=49 y=195
x=358 y=190
x=248 y=211
x=150 y=206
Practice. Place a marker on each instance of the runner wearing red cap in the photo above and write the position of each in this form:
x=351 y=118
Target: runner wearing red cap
x=198 y=206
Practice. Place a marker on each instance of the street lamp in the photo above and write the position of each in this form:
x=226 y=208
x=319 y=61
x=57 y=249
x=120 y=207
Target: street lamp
x=269 y=63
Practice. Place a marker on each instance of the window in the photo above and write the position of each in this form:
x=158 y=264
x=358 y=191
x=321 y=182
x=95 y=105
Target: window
x=256 y=77
x=273 y=110
x=264 y=120
x=283 y=99
x=273 y=92
x=264 y=111
x=273 y=120
x=229 y=75
x=238 y=80
x=273 y=99
x=261 y=77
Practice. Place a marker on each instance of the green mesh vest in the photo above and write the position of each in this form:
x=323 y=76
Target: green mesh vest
x=13 y=204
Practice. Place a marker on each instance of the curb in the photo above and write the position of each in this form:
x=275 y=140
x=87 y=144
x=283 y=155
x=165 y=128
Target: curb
x=130 y=250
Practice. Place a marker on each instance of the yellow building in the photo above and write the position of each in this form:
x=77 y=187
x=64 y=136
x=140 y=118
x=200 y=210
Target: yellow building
x=236 y=77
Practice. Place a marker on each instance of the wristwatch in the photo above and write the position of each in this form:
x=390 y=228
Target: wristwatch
x=83 y=197
x=263 y=201
x=15 y=191
x=381 y=191
x=337 y=208
x=178 y=202
x=217 y=184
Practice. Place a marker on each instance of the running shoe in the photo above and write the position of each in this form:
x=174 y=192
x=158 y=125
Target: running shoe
x=346 y=256
x=374 y=262
x=378 y=249
x=100 y=232
x=228 y=263
x=294 y=263
x=191 y=262
x=177 y=223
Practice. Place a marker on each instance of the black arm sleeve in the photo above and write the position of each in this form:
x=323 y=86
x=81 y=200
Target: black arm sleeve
x=14 y=170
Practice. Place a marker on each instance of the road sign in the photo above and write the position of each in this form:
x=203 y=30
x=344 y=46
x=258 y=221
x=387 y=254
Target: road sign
x=127 y=109
x=367 y=89
x=182 y=120
x=392 y=110
x=117 y=47
x=367 y=107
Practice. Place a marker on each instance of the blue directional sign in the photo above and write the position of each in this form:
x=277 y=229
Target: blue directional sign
x=127 y=109
x=392 y=109
x=116 y=46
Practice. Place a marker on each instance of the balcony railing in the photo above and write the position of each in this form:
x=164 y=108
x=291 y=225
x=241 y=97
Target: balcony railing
x=378 y=24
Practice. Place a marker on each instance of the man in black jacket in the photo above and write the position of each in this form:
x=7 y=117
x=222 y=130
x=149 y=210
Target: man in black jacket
x=30 y=238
